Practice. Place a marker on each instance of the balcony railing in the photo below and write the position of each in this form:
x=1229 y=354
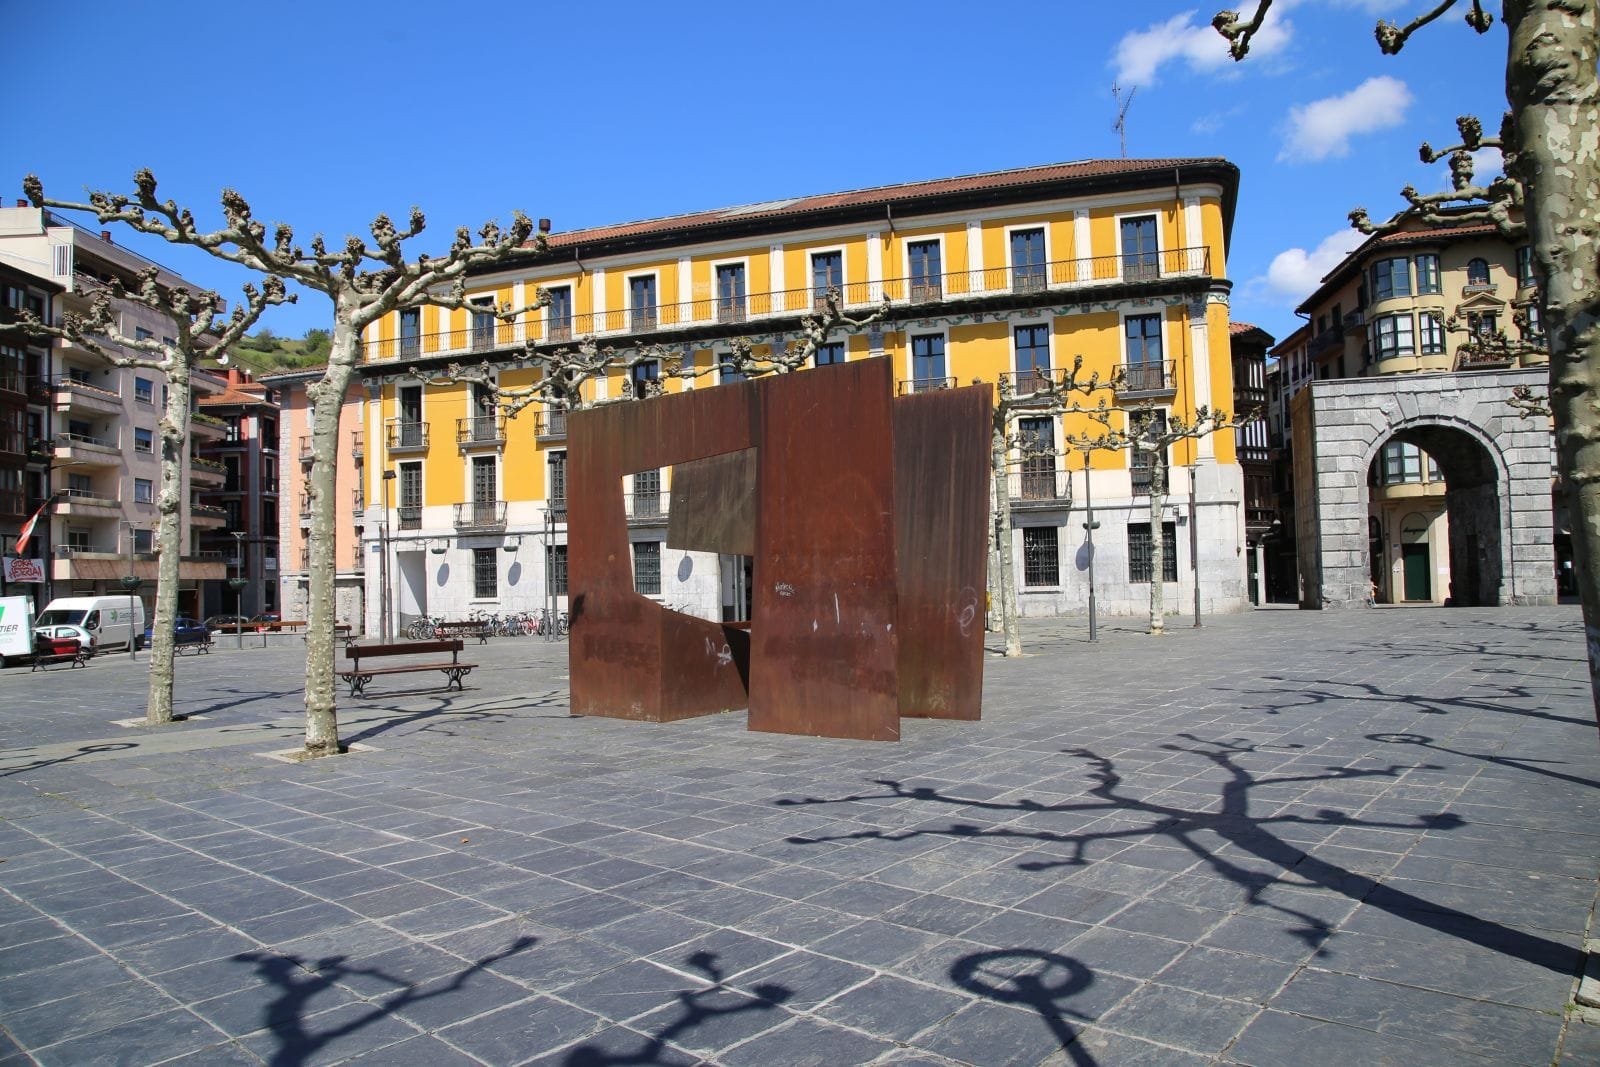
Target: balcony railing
x=304 y=449
x=76 y=440
x=357 y=444
x=923 y=385
x=481 y=515
x=211 y=466
x=481 y=430
x=1153 y=377
x=557 y=507
x=409 y=516
x=358 y=501
x=406 y=434
x=1141 y=477
x=305 y=507
x=550 y=426
x=645 y=508
x=1039 y=488
x=1052 y=277
x=87 y=497
x=71 y=387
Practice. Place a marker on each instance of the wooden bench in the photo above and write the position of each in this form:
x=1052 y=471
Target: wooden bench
x=342 y=631
x=197 y=645
x=480 y=630
x=359 y=674
x=52 y=650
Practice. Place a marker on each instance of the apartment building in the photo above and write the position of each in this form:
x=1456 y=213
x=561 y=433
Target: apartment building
x=97 y=427
x=1436 y=311
x=24 y=411
x=238 y=473
x=1013 y=273
x=1249 y=344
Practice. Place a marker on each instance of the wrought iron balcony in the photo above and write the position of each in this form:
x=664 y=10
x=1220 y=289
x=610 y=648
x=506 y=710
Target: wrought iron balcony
x=305 y=448
x=645 y=509
x=406 y=435
x=1145 y=378
x=481 y=430
x=906 y=386
x=557 y=507
x=409 y=516
x=1052 y=278
x=550 y=426
x=357 y=444
x=1140 y=474
x=481 y=515
x=1039 y=488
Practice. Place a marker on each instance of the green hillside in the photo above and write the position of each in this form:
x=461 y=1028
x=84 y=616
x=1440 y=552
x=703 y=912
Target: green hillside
x=265 y=352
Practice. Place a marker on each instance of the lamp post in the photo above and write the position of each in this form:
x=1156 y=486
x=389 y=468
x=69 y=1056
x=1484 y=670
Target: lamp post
x=383 y=559
x=1194 y=548
x=131 y=583
x=1089 y=527
x=237 y=584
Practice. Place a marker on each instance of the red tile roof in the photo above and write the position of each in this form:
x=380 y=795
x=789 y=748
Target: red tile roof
x=798 y=207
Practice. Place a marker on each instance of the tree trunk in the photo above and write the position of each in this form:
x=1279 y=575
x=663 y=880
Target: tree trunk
x=1158 y=552
x=1551 y=87
x=1006 y=571
x=327 y=401
x=174 y=428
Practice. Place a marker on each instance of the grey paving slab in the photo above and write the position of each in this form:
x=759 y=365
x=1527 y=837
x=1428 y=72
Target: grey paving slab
x=1285 y=837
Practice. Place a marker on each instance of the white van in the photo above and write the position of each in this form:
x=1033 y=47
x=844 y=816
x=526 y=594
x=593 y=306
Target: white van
x=112 y=621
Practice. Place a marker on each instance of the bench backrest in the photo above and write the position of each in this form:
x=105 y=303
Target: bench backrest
x=409 y=648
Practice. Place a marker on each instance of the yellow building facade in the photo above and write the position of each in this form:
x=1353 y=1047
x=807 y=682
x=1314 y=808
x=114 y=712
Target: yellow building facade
x=1020 y=273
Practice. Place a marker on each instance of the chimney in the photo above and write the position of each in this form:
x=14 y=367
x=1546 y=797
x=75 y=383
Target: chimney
x=22 y=203
x=544 y=226
x=105 y=235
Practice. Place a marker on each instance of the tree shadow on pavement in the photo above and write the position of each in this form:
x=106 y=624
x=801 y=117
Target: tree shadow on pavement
x=695 y=1009
x=1032 y=979
x=298 y=981
x=1231 y=823
x=85 y=750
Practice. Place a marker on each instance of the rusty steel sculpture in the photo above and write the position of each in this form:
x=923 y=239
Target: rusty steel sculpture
x=864 y=514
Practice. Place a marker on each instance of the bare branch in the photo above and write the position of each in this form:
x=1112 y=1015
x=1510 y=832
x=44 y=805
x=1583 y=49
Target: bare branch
x=1240 y=34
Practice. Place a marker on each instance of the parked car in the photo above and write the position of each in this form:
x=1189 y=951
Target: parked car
x=69 y=632
x=185 y=631
x=113 y=621
x=229 y=623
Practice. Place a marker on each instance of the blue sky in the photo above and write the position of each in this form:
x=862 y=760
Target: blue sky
x=324 y=114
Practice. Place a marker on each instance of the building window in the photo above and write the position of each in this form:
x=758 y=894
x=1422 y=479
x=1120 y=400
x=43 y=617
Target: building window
x=143 y=440
x=1428 y=273
x=144 y=390
x=410 y=501
x=1401 y=463
x=730 y=292
x=1140 y=551
x=727 y=371
x=1392 y=336
x=1033 y=357
x=1532 y=325
x=1483 y=324
x=558 y=316
x=411 y=331
x=927 y=270
x=642 y=302
x=1142 y=463
x=645 y=377
x=647 y=568
x=647 y=494
x=829 y=354
x=1027 y=260
x=555 y=569
x=1140 y=257
x=1525 y=274
x=1041 y=564
x=1144 y=369
x=143 y=540
x=143 y=490
x=1391 y=277
x=1038 y=446
x=927 y=362
x=11 y=369
x=142 y=334
x=1478 y=273
x=1431 y=326
x=482 y=323
x=485 y=574
x=558 y=484
x=827 y=272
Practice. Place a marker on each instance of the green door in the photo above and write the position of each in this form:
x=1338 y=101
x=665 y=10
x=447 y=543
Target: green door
x=1415 y=558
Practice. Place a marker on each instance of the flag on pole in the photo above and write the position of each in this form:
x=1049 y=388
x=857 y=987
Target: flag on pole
x=27 y=527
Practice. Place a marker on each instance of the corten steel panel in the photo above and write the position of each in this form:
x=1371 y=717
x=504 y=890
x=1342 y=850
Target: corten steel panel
x=629 y=657
x=714 y=505
x=823 y=628
x=941 y=444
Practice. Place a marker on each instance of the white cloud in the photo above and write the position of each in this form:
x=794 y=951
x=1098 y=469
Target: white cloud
x=1323 y=128
x=1296 y=273
x=1141 y=54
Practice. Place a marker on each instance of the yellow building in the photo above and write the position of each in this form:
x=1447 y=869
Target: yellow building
x=1121 y=262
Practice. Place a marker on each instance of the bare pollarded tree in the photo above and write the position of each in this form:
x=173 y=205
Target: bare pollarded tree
x=365 y=280
x=198 y=333
x=1552 y=173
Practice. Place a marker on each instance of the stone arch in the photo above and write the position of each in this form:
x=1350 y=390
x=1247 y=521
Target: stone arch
x=1496 y=466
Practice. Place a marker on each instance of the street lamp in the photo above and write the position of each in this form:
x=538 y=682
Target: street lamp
x=383 y=559
x=131 y=582
x=1194 y=548
x=237 y=585
x=1089 y=527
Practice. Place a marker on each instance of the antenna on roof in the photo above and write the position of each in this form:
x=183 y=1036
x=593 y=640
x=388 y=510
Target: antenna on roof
x=1121 y=125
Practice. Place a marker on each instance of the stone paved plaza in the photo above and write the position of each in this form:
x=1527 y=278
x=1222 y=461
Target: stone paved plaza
x=1285 y=838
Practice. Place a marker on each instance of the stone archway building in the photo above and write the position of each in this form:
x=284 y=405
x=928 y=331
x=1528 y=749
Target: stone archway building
x=1496 y=465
